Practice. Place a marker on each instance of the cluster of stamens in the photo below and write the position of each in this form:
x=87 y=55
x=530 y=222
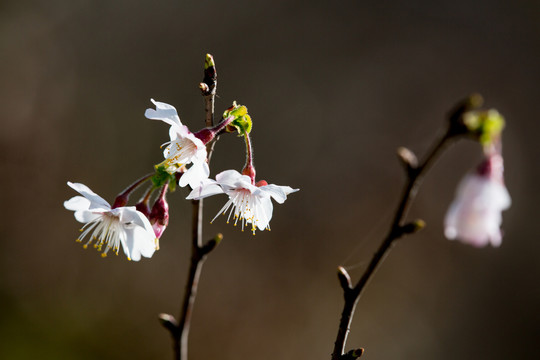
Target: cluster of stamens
x=182 y=150
x=105 y=231
x=243 y=210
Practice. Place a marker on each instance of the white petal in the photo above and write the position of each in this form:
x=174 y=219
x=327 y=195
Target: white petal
x=195 y=175
x=474 y=217
x=139 y=241
x=228 y=177
x=77 y=203
x=97 y=202
x=208 y=187
x=264 y=213
x=130 y=215
x=85 y=216
x=164 y=112
x=279 y=193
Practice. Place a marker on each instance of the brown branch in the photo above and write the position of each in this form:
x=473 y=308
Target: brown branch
x=180 y=331
x=351 y=294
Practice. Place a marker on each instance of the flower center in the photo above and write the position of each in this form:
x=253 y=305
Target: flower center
x=179 y=153
x=106 y=231
x=246 y=208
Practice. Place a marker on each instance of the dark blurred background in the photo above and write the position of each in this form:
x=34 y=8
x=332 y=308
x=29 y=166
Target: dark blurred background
x=333 y=88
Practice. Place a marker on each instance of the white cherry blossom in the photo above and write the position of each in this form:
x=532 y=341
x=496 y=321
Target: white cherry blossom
x=183 y=149
x=111 y=228
x=248 y=203
x=474 y=217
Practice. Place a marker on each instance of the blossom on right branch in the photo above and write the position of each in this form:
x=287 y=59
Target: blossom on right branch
x=248 y=203
x=474 y=217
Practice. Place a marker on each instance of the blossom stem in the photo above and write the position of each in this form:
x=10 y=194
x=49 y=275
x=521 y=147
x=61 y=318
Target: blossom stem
x=123 y=197
x=219 y=127
x=396 y=231
x=146 y=198
x=249 y=169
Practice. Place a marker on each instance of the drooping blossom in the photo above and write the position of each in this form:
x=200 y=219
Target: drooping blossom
x=474 y=217
x=183 y=149
x=248 y=203
x=111 y=228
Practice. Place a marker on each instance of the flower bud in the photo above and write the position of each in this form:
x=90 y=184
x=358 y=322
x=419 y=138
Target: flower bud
x=159 y=216
x=261 y=183
x=143 y=208
x=249 y=170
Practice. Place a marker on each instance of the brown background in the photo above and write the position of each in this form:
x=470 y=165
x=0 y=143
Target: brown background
x=334 y=88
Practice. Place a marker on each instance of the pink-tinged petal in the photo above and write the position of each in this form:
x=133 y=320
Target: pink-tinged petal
x=97 y=202
x=474 y=217
x=164 y=112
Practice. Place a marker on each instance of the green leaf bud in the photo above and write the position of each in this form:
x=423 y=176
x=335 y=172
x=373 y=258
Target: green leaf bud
x=242 y=121
x=486 y=125
x=162 y=177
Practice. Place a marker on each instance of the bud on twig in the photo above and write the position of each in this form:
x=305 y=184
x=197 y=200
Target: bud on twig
x=169 y=322
x=353 y=354
x=208 y=86
x=413 y=227
x=408 y=158
x=471 y=102
x=344 y=278
x=211 y=244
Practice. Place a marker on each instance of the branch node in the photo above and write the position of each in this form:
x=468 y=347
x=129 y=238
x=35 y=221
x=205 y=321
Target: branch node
x=408 y=159
x=412 y=227
x=169 y=322
x=344 y=279
x=211 y=244
x=472 y=102
x=208 y=85
x=204 y=88
x=353 y=354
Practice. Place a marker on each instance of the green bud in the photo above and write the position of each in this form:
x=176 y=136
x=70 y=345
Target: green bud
x=242 y=121
x=486 y=125
x=208 y=61
x=161 y=177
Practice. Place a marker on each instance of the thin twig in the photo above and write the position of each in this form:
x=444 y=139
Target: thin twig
x=397 y=229
x=180 y=330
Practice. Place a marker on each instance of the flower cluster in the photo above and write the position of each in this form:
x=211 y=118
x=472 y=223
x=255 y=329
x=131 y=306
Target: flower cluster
x=137 y=229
